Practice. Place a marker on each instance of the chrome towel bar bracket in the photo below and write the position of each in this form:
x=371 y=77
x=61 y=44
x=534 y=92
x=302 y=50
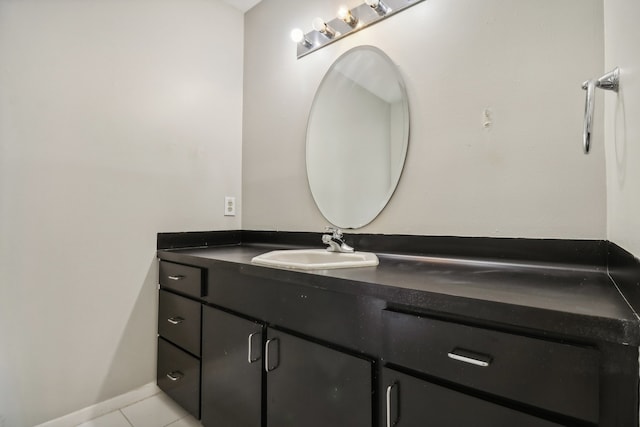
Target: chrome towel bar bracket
x=609 y=81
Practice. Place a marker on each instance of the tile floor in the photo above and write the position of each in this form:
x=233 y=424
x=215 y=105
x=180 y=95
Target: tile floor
x=155 y=411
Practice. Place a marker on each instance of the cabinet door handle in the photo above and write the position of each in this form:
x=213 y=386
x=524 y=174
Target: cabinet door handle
x=250 y=352
x=175 y=320
x=470 y=357
x=175 y=375
x=390 y=422
x=176 y=277
x=266 y=355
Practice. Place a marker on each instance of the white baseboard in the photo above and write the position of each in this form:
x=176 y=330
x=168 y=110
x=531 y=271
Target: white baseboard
x=102 y=408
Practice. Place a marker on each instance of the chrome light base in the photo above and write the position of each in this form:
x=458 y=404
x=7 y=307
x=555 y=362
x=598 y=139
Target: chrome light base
x=365 y=16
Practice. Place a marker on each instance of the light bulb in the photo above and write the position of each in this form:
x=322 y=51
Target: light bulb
x=379 y=6
x=297 y=35
x=319 y=25
x=345 y=14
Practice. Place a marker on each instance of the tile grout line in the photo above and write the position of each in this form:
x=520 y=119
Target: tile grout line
x=174 y=421
x=121 y=410
x=125 y=417
x=138 y=401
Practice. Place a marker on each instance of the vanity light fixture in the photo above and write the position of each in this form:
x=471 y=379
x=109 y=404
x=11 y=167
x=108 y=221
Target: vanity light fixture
x=345 y=14
x=320 y=26
x=379 y=6
x=297 y=35
x=348 y=21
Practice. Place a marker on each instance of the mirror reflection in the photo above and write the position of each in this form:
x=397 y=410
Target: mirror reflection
x=357 y=137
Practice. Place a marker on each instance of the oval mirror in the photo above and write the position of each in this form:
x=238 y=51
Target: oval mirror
x=357 y=137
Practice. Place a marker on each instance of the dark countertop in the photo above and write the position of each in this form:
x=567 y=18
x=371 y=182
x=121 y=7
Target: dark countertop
x=575 y=302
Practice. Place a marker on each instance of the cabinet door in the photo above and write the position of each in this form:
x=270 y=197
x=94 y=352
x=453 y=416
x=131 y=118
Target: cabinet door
x=412 y=402
x=314 y=386
x=231 y=370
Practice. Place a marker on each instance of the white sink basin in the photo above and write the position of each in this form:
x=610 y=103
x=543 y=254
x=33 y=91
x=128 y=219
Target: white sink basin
x=315 y=259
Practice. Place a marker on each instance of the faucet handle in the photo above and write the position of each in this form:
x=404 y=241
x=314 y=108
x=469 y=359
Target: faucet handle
x=336 y=232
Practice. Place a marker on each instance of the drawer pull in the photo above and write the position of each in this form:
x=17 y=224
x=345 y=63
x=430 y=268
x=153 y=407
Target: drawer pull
x=250 y=352
x=175 y=320
x=176 y=277
x=175 y=375
x=471 y=358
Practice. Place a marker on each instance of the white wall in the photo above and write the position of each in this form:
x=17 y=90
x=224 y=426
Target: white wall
x=622 y=135
x=118 y=119
x=525 y=176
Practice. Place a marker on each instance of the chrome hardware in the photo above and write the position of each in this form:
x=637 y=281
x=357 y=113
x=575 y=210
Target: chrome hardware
x=589 y=86
x=178 y=277
x=379 y=6
x=334 y=240
x=175 y=375
x=250 y=351
x=365 y=14
x=389 y=389
x=266 y=355
x=609 y=81
x=175 y=320
x=477 y=360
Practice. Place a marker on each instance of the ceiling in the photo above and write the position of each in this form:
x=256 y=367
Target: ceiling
x=242 y=5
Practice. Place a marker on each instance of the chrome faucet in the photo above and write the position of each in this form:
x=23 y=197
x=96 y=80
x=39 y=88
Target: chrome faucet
x=334 y=240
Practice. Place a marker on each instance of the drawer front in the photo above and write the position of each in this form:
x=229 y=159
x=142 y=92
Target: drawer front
x=557 y=377
x=182 y=278
x=410 y=402
x=350 y=321
x=179 y=321
x=179 y=376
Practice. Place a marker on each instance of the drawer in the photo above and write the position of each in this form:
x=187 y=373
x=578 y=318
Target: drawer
x=182 y=278
x=179 y=321
x=349 y=321
x=557 y=377
x=179 y=376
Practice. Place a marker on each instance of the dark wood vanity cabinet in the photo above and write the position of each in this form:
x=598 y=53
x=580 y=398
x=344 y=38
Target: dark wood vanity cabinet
x=245 y=350
x=179 y=332
x=306 y=383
